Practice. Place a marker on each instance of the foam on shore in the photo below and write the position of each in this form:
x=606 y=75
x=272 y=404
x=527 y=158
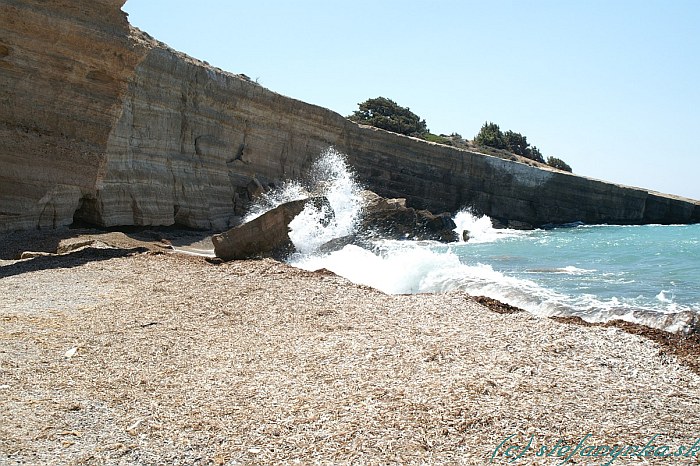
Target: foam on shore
x=541 y=272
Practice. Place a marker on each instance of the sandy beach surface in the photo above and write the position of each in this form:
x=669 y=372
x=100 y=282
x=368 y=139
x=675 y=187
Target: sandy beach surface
x=147 y=356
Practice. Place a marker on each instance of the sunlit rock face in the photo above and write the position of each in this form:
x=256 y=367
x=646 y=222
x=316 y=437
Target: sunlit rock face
x=103 y=124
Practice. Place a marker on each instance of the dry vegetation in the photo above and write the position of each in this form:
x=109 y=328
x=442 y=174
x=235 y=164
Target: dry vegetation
x=180 y=361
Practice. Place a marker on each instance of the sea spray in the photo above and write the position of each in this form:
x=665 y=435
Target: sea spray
x=479 y=228
x=646 y=275
x=331 y=177
x=395 y=267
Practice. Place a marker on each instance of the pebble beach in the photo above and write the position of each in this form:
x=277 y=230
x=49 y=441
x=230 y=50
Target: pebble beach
x=143 y=355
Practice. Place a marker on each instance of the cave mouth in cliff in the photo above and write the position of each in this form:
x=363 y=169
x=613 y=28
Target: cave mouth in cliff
x=88 y=213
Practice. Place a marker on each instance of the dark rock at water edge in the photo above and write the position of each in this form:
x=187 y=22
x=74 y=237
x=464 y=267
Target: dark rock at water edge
x=551 y=226
x=392 y=219
x=501 y=224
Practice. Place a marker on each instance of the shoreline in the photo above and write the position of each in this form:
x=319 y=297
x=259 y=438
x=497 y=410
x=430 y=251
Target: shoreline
x=188 y=242
x=179 y=359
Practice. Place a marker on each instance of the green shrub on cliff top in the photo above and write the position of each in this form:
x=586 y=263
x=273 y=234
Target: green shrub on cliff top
x=386 y=114
x=491 y=135
x=558 y=164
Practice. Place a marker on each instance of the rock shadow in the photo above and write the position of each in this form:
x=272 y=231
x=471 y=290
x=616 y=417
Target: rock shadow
x=65 y=261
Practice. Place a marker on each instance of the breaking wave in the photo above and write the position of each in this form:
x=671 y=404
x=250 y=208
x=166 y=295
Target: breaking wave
x=597 y=273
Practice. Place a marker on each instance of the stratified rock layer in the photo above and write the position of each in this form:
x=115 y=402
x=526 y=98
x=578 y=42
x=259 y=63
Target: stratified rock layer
x=64 y=69
x=103 y=124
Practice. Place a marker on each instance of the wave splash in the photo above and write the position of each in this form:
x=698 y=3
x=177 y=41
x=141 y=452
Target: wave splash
x=403 y=267
x=332 y=178
x=479 y=228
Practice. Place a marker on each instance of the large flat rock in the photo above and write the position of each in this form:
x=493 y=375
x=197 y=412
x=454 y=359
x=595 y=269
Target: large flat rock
x=264 y=236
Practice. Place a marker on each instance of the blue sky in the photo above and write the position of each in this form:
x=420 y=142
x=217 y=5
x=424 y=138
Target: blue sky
x=611 y=87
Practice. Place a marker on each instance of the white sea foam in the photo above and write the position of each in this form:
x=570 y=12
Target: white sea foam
x=333 y=179
x=568 y=270
x=398 y=271
x=400 y=267
x=573 y=270
x=663 y=298
x=480 y=228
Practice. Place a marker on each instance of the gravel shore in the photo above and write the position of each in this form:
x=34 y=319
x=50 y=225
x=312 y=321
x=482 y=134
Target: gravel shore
x=115 y=356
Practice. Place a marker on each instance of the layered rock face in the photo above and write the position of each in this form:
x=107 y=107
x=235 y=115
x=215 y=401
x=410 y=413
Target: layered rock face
x=103 y=124
x=64 y=67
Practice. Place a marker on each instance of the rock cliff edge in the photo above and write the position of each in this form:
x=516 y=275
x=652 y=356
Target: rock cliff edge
x=103 y=124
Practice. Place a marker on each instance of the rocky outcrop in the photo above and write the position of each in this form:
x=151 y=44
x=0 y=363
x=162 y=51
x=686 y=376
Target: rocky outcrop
x=391 y=218
x=111 y=127
x=266 y=235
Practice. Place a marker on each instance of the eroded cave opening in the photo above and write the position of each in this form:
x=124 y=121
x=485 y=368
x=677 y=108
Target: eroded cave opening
x=88 y=213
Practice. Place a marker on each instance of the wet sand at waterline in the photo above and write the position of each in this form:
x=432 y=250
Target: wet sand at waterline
x=114 y=356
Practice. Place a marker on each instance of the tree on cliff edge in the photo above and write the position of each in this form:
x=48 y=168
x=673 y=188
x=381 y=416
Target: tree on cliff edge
x=559 y=164
x=491 y=135
x=386 y=114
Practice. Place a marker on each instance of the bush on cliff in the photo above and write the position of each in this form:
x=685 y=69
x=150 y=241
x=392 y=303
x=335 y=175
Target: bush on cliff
x=558 y=164
x=386 y=114
x=535 y=154
x=491 y=135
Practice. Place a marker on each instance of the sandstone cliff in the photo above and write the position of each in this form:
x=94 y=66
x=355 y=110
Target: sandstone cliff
x=103 y=124
x=64 y=67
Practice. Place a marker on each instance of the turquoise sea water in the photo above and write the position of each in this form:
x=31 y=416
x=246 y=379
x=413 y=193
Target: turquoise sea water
x=643 y=273
x=646 y=274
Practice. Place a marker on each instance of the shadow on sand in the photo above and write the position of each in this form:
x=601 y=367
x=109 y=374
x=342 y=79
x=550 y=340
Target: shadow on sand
x=65 y=261
x=123 y=242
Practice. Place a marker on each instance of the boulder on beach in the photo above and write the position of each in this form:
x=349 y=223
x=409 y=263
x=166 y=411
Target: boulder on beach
x=266 y=235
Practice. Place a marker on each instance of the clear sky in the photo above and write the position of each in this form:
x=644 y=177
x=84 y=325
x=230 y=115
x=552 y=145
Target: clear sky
x=611 y=87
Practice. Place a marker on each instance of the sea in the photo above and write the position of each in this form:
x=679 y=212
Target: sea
x=643 y=274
